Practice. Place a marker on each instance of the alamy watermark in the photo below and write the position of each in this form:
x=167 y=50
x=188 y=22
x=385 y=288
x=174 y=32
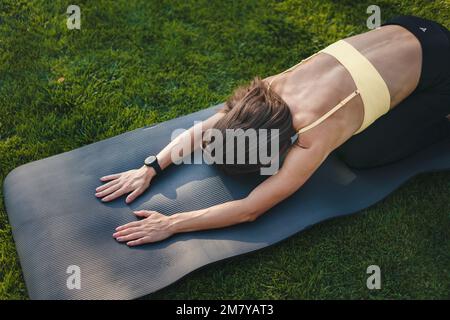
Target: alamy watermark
x=74 y=17
x=374 y=280
x=74 y=279
x=374 y=20
x=248 y=146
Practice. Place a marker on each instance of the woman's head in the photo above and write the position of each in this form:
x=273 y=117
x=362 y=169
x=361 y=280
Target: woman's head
x=251 y=108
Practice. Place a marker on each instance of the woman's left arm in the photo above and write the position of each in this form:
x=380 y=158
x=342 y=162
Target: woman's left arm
x=299 y=165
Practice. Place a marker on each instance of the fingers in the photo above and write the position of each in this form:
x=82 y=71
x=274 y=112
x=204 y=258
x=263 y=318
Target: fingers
x=132 y=236
x=115 y=194
x=110 y=190
x=110 y=177
x=136 y=193
x=129 y=225
x=143 y=213
x=139 y=213
x=106 y=185
x=139 y=241
x=135 y=233
x=127 y=231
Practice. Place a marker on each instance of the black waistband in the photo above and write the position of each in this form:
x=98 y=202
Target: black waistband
x=435 y=44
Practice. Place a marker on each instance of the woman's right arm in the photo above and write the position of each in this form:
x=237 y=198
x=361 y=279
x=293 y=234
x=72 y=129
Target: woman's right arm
x=136 y=181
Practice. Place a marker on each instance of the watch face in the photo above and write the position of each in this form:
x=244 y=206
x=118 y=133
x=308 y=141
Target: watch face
x=150 y=160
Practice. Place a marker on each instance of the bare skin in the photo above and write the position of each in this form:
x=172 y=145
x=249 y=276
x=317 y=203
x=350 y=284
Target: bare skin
x=310 y=90
x=329 y=82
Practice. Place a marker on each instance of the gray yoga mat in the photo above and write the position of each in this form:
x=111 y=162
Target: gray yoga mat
x=57 y=222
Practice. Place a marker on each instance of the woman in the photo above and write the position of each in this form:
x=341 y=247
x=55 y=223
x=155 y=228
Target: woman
x=375 y=97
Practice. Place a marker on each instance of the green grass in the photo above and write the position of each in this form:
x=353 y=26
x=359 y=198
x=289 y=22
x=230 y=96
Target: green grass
x=134 y=63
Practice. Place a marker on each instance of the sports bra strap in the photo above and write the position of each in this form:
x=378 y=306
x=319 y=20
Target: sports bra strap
x=329 y=113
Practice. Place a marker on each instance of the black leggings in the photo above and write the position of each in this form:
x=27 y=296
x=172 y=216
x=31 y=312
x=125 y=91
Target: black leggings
x=419 y=120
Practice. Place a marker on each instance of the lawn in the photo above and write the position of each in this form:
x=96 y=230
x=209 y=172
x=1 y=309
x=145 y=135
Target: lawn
x=134 y=63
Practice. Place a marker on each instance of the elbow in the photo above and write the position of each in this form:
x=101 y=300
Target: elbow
x=249 y=215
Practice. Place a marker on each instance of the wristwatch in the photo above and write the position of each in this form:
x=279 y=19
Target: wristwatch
x=152 y=161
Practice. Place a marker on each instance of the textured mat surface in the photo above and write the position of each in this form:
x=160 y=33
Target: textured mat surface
x=57 y=221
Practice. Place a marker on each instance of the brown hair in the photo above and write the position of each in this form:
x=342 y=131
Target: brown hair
x=254 y=106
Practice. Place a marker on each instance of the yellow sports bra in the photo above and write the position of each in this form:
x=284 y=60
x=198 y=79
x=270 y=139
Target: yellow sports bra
x=369 y=83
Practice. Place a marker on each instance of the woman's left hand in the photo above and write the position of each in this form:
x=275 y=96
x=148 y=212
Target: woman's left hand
x=153 y=228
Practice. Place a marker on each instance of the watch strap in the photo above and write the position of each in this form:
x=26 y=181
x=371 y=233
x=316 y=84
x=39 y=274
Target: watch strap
x=156 y=166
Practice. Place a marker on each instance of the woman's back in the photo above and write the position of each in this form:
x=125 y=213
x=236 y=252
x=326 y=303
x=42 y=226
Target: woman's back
x=396 y=54
x=315 y=87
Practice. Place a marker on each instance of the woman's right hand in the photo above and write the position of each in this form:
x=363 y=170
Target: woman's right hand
x=134 y=181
